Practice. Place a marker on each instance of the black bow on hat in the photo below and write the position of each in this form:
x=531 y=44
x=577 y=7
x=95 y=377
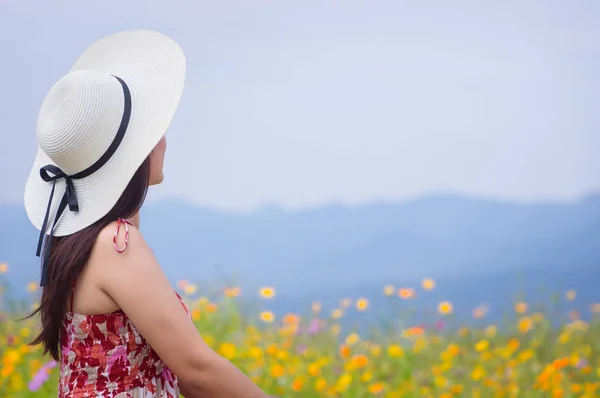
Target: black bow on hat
x=70 y=198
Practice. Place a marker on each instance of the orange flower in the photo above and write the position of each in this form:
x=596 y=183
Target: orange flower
x=521 y=307
x=277 y=370
x=406 y=293
x=413 y=331
x=561 y=363
x=183 y=283
x=195 y=314
x=376 y=388
x=291 y=319
x=344 y=351
x=525 y=324
x=232 y=292
x=360 y=361
x=297 y=384
x=478 y=312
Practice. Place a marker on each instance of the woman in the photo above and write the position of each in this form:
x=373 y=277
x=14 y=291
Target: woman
x=109 y=314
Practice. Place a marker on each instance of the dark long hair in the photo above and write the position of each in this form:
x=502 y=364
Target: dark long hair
x=68 y=256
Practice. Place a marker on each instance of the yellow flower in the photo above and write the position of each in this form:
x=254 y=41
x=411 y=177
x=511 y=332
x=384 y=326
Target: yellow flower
x=343 y=382
x=526 y=355
x=525 y=324
x=314 y=369
x=227 y=350
x=570 y=295
x=352 y=339
x=428 y=284
x=445 y=307
x=440 y=381
x=375 y=350
x=366 y=377
x=336 y=329
x=190 y=289
x=255 y=352
x=17 y=382
x=482 y=345
x=337 y=313
x=478 y=373
x=564 y=337
x=320 y=384
x=11 y=357
x=3 y=268
x=537 y=317
x=362 y=304
x=521 y=307
x=267 y=316
x=491 y=331
x=316 y=306
x=32 y=287
x=388 y=290
x=395 y=351
x=195 y=314
x=267 y=292
x=346 y=302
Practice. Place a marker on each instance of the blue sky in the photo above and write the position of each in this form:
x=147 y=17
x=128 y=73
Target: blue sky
x=307 y=103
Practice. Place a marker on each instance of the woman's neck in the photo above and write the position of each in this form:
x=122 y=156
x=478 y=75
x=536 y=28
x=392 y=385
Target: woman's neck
x=135 y=220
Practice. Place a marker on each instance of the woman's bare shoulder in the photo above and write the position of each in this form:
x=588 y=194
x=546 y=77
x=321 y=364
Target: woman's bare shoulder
x=121 y=251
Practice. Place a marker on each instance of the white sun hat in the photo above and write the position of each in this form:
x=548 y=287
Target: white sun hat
x=98 y=124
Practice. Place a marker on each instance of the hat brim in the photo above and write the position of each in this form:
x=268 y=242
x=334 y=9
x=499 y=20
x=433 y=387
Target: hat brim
x=153 y=67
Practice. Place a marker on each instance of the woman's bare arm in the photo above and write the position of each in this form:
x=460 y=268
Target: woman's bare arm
x=135 y=281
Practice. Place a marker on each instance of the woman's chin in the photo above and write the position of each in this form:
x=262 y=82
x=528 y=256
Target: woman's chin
x=156 y=181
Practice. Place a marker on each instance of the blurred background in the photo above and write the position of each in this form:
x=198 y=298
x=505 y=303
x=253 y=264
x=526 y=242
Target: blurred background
x=328 y=149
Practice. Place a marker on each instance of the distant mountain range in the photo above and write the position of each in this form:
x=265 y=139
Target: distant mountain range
x=476 y=247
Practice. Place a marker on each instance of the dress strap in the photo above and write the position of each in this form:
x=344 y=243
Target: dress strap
x=127 y=224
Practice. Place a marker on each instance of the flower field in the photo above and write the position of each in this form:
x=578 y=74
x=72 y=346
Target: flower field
x=316 y=354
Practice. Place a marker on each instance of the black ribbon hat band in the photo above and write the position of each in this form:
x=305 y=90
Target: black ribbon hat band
x=52 y=173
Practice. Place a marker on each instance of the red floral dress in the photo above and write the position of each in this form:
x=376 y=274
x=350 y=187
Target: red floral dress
x=105 y=356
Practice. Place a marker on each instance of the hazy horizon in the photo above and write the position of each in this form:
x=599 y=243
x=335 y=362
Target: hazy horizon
x=310 y=104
